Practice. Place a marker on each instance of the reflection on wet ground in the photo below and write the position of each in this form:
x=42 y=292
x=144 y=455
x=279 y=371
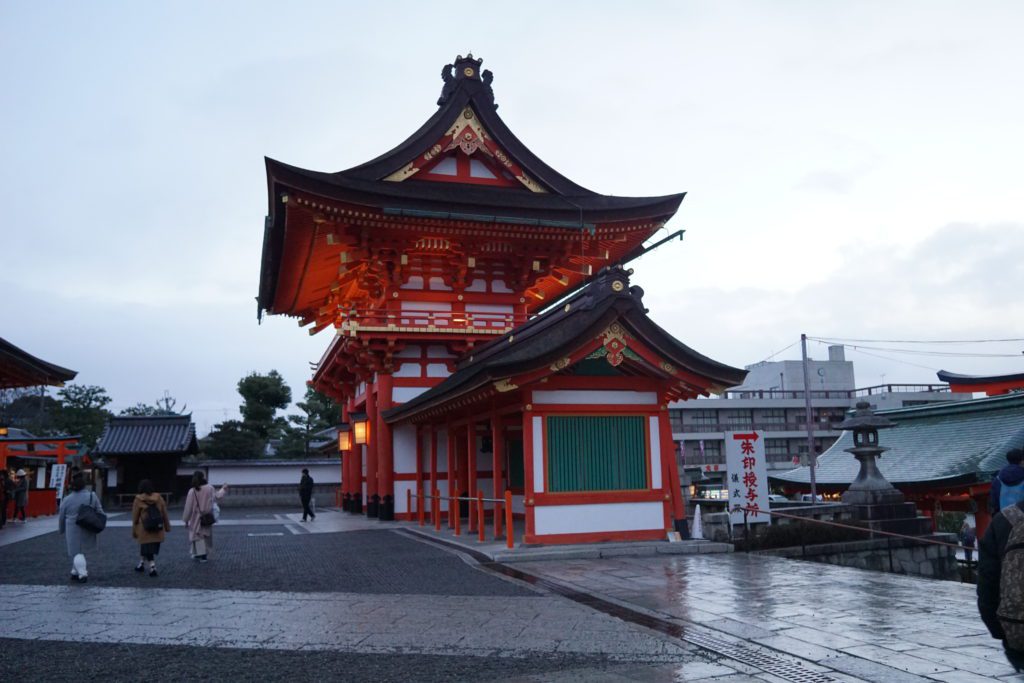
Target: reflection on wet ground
x=850 y=622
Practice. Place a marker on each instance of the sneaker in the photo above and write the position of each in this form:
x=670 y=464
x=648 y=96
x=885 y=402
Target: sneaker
x=74 y=576
x=83 y=579
x=152 y=572
x=202 y=558
x=140 y=568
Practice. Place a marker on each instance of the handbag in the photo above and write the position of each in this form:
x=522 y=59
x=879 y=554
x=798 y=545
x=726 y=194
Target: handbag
x=89 y=518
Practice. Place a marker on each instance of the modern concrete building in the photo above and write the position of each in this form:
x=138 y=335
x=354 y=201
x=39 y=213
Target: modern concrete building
x=771 y=400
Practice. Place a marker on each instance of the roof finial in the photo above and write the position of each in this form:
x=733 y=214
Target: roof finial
x=464 y=69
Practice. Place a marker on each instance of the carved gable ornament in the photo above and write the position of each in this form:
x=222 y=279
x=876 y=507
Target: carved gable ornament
x=614 y=340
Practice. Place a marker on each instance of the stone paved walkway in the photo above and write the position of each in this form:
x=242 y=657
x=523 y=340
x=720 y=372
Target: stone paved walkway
x=849 y=622
x=359 y=600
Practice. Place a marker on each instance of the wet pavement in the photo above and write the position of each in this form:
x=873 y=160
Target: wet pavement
x=841 y=621
x=347 y=597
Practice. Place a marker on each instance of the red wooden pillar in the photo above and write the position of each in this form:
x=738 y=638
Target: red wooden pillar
x=471 y=471
x=433 y=466
x=497 y=467
x=372 y=494
x=451 y=443
x=385 y=450
x=346 y=467
x=529 y=535
x=419 y=469
x=671 y=469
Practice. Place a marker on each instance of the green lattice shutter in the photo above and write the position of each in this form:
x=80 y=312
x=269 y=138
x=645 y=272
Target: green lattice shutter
x=591 y=453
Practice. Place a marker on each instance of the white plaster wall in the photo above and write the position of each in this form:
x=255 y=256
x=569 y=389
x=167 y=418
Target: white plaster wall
x=405 y=394
x=538 y=453
x=574 y=396
x=442 y=487
x=400 y=495
x=404 y=448
x=597 y=517
x=655 y=437
x=438 y=351
x=265 y=475
x=410 y=369
x=437 y=370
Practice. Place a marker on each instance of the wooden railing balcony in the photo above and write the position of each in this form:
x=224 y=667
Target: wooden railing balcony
x=476 y=322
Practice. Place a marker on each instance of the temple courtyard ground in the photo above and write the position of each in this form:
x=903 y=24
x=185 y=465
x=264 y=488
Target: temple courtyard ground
x=348 y=598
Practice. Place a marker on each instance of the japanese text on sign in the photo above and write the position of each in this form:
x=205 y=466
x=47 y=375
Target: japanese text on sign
x=747 y=476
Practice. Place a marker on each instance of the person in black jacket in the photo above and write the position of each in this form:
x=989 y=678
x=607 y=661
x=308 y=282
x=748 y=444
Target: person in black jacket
x=990 y=561
x=306 y=495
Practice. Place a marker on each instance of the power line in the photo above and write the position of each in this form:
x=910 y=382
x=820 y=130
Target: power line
x=921 y=352
x=921 y=341
x=894 y=360
x=779 y=351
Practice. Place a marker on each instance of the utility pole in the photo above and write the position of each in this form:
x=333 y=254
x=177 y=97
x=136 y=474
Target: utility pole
x=812 y=457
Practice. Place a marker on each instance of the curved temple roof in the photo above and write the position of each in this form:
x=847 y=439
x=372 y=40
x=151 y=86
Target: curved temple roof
x=20 y=369
x=959 y=441
x=990 y=384
x=545 y=197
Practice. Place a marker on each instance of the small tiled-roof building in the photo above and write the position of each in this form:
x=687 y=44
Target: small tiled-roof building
x=151 y=447
x=941 y=456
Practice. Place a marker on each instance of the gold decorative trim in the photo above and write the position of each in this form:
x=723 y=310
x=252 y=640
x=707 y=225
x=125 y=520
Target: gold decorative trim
x=504 y=385
x=560 y=364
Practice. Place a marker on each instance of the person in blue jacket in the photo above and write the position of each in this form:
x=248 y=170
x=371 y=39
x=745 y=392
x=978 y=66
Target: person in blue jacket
x=1008 y=484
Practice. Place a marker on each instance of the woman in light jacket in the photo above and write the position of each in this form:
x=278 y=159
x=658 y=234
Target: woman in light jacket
x=198 y=502
x=78 y=539
x=149 y=540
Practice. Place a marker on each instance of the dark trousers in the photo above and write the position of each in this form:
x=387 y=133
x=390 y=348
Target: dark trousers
x=19 y=509
x=306 y=511
x=3 y=510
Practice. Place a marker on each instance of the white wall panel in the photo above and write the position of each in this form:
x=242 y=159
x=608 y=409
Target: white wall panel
x=400 y=496
x=405 y=394
x=579 y=397
x=597 y=517
x=404 y=447
x=437 y=370
x=655 y=436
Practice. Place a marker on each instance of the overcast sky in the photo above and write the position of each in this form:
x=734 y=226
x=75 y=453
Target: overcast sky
x=854 y=170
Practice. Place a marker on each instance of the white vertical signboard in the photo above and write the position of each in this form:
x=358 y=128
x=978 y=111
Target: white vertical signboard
x=57 y=474
x=746 y=477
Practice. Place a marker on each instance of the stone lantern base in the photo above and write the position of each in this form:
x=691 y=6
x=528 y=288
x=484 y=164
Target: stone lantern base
x=877 y=504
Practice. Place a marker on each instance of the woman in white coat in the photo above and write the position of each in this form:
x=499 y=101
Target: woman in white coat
x=78 y=539
x=199 y=501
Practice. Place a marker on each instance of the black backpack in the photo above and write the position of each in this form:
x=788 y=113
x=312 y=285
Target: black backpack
x=152 y=518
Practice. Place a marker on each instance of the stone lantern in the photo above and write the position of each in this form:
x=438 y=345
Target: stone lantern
x=870 y=487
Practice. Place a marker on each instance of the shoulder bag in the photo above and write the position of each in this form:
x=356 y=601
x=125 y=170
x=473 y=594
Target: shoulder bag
x=89 y=518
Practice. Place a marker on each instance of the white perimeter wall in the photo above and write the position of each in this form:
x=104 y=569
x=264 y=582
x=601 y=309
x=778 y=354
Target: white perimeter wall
x=266 y=474
x=592 y=518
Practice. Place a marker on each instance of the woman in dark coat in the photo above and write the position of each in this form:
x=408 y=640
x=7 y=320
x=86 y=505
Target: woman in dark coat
x=21 y=495
x=5 y=485
x=149 y=540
